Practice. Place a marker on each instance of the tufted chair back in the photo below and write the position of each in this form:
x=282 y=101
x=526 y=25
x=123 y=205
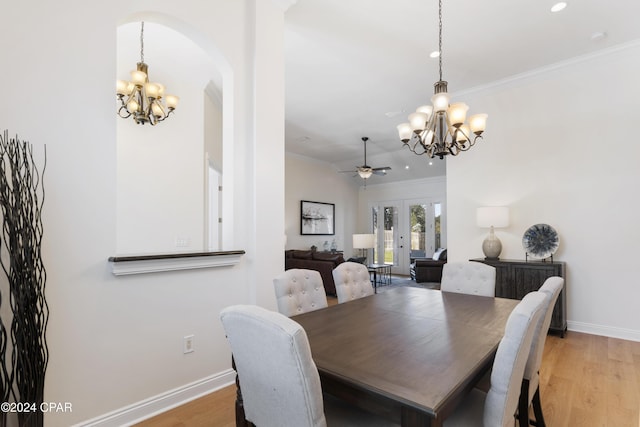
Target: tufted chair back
x=508 y=366
x=299 y=291
x=352 y=281
x=469 y=277
x=531 y=385
x=279 y=380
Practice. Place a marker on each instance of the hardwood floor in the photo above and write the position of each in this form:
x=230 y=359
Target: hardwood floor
x=586 y=380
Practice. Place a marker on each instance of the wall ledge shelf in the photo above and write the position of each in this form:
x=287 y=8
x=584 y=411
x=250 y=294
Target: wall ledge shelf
x=153 y=263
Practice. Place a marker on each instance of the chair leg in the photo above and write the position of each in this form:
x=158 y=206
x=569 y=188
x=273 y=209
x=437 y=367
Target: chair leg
x=537 y=408
x=523 y=404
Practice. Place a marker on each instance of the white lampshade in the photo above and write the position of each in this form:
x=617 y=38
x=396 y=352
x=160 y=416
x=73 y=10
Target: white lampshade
x=172 y=101
x=440 y=101
x=152 y=90
x=405 y=131
x=365 y=173
x=457 y=113
x=122 y=87
x=478 y=123
x=493 y=216
x=463 y=133
x=426 y=109
x=364 y=241
x=138 y=77
x=418 y=121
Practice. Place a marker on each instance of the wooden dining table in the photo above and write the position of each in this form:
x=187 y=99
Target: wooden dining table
x=408 y=354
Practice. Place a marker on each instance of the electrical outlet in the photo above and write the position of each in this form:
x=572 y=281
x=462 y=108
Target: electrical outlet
x=187 y=344
x=183 y=241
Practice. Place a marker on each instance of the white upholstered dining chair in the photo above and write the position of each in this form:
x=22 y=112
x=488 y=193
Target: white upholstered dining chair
x=498 y=407
x=299 y=291
x=530 y=393
x=278 y=379
x=469 y=277
x=352 y=281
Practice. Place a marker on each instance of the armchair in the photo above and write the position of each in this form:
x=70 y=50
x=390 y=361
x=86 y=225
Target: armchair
x=428 y=269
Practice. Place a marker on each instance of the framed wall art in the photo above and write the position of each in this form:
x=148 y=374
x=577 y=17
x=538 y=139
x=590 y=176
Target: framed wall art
x=317 y=218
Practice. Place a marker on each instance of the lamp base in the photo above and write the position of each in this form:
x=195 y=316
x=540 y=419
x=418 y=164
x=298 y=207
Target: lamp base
x=492 y=246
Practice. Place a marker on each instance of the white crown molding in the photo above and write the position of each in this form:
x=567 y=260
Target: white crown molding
x=549 y=68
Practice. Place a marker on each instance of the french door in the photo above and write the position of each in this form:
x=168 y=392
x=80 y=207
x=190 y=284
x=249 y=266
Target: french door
x=407 y=229
x=385 y=224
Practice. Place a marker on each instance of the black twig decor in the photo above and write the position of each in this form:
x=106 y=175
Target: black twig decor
x=24 y=358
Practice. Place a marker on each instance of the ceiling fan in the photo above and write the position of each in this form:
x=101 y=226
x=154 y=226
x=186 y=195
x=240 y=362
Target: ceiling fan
x=365 y=171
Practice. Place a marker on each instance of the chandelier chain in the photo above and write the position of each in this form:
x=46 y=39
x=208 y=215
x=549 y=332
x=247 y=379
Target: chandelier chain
x=142 y=42
x=440 y=37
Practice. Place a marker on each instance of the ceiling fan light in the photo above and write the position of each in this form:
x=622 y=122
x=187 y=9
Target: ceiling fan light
x=365 y=173
x=404 y=132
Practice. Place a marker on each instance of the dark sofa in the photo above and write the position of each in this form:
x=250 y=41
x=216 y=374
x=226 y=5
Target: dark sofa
x=427 y=269
x=322 y=262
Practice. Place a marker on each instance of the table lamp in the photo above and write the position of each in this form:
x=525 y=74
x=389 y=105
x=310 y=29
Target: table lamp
x=492 y=217
x=364 y=242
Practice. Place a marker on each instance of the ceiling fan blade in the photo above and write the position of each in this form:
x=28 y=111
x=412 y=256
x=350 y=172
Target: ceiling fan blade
x=386 y=168
x=380 y=172
x=347 y=171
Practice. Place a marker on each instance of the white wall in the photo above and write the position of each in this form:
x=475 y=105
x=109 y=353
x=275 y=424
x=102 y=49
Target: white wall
x=115 y=342
x=308 y=179
x=560 y=149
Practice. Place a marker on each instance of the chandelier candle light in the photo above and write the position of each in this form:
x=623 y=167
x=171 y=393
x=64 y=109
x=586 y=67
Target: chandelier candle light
x=143 y=98
x=440 y=129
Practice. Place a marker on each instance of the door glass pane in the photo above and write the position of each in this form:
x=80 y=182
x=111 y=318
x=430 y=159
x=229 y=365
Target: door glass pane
x=374 y=218
x=437 y=207
x=390 y=235
x=418 y=224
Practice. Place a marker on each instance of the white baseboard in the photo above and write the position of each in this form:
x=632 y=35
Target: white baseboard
x=607 y=331
x=163 y=402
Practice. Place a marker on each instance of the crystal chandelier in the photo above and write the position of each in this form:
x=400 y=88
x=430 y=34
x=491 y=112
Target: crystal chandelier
x=144 y=99
x=440 y=129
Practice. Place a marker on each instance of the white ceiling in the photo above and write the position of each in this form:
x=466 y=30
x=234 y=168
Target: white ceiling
x=352 y=63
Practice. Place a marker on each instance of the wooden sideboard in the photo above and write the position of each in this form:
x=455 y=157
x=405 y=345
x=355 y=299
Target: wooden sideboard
x=516 y=278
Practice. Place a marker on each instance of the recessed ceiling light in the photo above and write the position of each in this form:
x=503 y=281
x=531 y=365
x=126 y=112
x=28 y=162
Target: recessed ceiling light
x=598 y=35
x=406 y=167
x=558 y=6
x=430 y=163
x=391 y=114
x=435 y=54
